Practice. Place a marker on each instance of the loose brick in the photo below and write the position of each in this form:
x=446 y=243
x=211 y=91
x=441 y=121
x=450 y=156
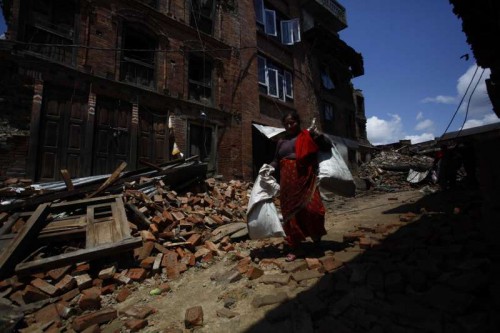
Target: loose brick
x=44 y=286
x=99 y=317
x=107 y=273
x=67 y=283
x=254 y=273
x=108 y=289
x=83 y=281
x=90 y=299
x=193 y=317
x=32 y=294
x=147 y=263
x=137 y=274
x=139 y=312
x=58 y=273
x=47 y=314
x=330 y=264
x=123 y=294
x=135 y=325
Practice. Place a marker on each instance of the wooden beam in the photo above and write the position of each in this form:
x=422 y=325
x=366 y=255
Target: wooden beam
x=21 y=244
x=60 y=260
x=67 y=179
x=151 y=165
x=114 y=176
x=140 y=217
x=5 y=229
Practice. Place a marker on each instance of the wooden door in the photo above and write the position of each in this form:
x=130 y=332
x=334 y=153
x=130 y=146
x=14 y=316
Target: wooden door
x=62 y=134
x=112 y=135
x=153 y=138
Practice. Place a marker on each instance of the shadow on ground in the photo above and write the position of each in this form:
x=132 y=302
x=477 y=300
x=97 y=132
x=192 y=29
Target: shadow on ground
x=435 y=274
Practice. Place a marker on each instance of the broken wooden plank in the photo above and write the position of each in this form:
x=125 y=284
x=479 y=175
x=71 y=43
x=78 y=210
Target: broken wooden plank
x=101 y=251
x=114 y=176
x=5 y=229
x=21 y=243
x=141 y=218
x=67 y=179
x=83 y=203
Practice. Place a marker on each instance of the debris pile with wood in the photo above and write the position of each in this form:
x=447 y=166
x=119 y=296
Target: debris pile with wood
x=62 y=256
x=388 y=171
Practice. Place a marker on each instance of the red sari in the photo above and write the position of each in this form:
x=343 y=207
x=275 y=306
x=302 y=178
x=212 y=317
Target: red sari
x=301 y=205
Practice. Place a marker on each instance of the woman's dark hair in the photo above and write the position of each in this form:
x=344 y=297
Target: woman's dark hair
x=293 y=114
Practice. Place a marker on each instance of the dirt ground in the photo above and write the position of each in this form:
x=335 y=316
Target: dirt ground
x=200 y=286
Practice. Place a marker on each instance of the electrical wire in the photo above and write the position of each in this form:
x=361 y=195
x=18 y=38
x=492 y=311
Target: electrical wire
x=468 y=102
x=461 y=101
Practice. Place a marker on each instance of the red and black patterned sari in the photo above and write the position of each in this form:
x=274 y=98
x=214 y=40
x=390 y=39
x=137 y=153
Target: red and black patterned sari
x=301 y=205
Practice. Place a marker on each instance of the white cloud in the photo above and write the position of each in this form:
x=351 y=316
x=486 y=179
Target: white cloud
x=440 y=99
x=2 y=36
x=425 y=124
x=480 y=104
x=381 y=131
x=420 y=115
x=487 y=119
x=420 y=138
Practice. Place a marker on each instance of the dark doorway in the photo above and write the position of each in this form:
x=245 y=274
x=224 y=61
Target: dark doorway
x=263 y=150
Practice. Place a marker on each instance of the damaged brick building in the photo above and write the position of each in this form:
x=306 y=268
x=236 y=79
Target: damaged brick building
x=88 y=84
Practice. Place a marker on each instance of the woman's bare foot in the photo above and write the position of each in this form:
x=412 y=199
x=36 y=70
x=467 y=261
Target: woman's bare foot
x=290 y=257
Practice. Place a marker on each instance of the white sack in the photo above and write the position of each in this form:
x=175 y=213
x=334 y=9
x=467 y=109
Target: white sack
x=262 y=216
x=264 y=222
x=334 y=175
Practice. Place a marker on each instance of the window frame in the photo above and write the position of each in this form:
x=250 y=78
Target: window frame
x=292 y=29
x=259 y=7
x=270 y=14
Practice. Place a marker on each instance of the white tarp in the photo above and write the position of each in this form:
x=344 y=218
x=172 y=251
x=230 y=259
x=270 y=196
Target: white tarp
x=269 y=131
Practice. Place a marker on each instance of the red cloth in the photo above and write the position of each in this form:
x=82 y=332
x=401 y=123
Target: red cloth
x=301 y=204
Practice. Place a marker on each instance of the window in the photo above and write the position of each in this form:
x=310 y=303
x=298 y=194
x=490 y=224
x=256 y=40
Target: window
x=274 y=80
x=138 y=57
x=328 y=112
x=326 y=80
x=290 y=32
x=270 y=25
x=200 y=79
x=273 y=24
x=259 y=11
x=202 y=13
x=262 y=70
x=51 y=22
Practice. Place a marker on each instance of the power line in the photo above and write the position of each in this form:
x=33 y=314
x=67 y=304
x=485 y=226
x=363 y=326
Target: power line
x=461 y=101
x=468 y=102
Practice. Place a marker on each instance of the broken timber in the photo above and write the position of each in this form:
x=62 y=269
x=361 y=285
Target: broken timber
x=103 y=219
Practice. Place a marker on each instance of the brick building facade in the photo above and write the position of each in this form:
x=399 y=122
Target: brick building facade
x=88 y=84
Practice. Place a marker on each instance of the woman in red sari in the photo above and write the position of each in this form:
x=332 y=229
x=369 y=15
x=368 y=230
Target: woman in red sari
x=301 y=205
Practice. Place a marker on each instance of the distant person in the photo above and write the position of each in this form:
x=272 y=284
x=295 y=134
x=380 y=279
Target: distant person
x=449 y=164
x=301 y=205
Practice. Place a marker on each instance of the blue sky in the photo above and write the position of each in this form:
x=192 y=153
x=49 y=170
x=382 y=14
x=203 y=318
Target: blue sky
x=414 y=76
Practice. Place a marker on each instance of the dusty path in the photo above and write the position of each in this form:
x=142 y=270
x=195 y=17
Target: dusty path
x=210 y=288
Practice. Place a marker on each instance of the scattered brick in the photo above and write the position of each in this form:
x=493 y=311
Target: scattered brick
x=193 y=317
x=139 y=312
x=137 y=274
x=135 y=325
x=107 y=273
x=44 y=286
x=99 y=317
x=123 y=294
x=254 y=273
x=83 y=281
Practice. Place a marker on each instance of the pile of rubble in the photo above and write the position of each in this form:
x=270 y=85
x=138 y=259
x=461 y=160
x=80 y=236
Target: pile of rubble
x=388 y=171
x=60 y=260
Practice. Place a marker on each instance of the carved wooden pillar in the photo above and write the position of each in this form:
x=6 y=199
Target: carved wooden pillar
x=36 y=115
